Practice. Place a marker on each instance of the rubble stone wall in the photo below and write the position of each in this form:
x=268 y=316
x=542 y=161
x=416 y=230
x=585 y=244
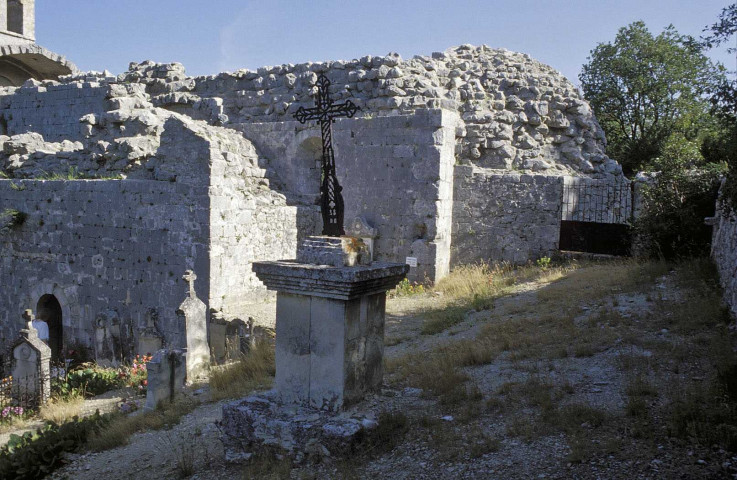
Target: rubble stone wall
x=519 y=113
x=510 y=217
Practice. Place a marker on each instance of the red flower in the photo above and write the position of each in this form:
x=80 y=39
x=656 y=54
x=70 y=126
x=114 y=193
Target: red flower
x=145 y=383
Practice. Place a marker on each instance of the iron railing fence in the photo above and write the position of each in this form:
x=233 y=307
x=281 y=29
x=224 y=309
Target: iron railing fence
x=598 y=201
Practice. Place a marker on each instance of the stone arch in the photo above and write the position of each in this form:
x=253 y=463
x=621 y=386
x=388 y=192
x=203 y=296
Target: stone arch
x=306 y=160
x=19 y=63
x=49 y=310
x=71 y=314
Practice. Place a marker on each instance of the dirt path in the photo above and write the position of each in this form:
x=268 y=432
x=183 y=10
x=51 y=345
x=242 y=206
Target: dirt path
x=160 y=454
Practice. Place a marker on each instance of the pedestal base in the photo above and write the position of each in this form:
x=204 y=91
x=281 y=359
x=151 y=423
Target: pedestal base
x=260 y=423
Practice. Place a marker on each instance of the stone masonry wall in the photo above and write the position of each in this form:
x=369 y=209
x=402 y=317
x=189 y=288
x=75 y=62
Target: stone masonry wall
x=112 y=246
x=395 y=171
x=512 y=217
x=724 y=253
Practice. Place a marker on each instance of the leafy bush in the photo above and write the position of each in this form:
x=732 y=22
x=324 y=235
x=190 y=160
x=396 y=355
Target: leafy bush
x=36 y=454
x=136 y=375
x=89 y=381
x=671 y=224
x=406 y=288
x=543 y=262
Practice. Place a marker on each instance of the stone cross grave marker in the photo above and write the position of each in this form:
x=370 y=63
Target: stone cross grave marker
x=331 y=201
x=31 y=368
x=194 y=312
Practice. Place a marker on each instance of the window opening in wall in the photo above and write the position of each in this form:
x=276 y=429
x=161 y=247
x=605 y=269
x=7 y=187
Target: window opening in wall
x=48 y=310
x=596 y=217
x=15 y=16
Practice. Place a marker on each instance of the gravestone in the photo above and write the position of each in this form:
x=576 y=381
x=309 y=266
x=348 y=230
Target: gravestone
x=218 y=328
x=193 y=313
x=150 y=339
x=360 y=228
x=31 y=367
x=238 y=337
x=108 y=348
x=167 y=373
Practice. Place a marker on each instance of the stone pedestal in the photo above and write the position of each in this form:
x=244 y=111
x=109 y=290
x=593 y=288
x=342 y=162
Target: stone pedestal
x=329 y=326
x=329 y=353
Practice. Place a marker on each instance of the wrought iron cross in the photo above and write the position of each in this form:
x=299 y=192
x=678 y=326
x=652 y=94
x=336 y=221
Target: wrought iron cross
x=331 y=201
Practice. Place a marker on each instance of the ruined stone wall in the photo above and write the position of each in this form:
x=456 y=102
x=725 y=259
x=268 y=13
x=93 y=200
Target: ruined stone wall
x=246 y=220
x=396 y=172
x=510 y=217
x=519 y=114
x=249 y=220
x=52 y=110
x=724 y=253
x=111 y=247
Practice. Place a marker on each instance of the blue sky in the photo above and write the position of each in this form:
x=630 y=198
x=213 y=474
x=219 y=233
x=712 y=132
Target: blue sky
x=225 y=35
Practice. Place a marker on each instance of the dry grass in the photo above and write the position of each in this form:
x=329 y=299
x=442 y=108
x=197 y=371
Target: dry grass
x=252 y=371
x=120 y=429
x=482 y=281
x=598 y=280
x=441 y=320
x=17 y=423
x=476 y=287
x=61 y=411
x=452 y=443
x=268 y=467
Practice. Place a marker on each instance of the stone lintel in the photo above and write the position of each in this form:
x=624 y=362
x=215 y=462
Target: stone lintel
x=340 y=283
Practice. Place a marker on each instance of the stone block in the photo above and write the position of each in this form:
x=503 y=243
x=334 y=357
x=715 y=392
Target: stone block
x=293 y=350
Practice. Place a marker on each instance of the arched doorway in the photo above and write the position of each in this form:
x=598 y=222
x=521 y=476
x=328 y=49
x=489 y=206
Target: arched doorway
x=48 y=309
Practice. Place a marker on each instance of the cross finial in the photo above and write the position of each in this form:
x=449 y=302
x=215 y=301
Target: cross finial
x=28 y=317
x=30 y=331
x=189 y=276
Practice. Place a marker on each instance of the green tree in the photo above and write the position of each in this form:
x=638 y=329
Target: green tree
x=724 y=99
x=648 y=92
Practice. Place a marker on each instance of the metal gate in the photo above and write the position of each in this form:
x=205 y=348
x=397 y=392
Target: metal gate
x=597 y=215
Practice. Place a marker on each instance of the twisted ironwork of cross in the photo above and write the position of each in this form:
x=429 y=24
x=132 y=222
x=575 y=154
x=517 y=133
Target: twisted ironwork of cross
x=331 y=201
